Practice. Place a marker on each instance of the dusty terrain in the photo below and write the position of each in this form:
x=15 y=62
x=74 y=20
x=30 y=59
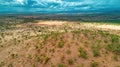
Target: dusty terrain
x=60 y=44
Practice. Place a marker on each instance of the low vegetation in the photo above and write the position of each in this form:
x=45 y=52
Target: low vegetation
x=82 y=53
x=64 y=45
x=94 y=64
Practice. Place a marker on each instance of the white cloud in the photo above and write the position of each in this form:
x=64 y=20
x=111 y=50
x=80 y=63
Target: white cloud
x=20 y=1
x=63 y=4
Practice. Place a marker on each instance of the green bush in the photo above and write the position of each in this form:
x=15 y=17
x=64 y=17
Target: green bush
x=96 y=53
x=61 y=65
x=115 y=48
x=70 y=61
x=114 y=38
x=82 y=53
x=94 y=64
x=60 y=44
x=96 y=50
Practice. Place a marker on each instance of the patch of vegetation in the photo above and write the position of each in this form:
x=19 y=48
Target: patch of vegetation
x=70 y=61
x=2 y=64
x=96 y=50
x=61 y=65
x=14 y=55
x=117 y=66
x=86 y=44
x=37 y=57
x=82 y=65
x=82 y=53
x=10 y=65
x=38 y=47
x=44 y=58
x=44 y=42
x=115 y=57
x=68 y=51
x=115 y=48
x=45 y=37
x=94 y=64
x=114 y=38
x=76 y=31
x=52 y=50
x=60 y=44
x=33 y=65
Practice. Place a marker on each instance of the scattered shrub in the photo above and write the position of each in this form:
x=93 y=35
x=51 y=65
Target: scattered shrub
x=2 y=64
x=14 y=55
x=52 y=50
x=82 y=65
x=68 y=52
x=44 y=58
x=82 y=53
x=61 y=65
x=94 y=64
x=115 y=57
x=37 y=57
x=114 y=38
x=10 y=65
x=60 y=44
x=96 y=50
x=70 y=61
x=115 y=48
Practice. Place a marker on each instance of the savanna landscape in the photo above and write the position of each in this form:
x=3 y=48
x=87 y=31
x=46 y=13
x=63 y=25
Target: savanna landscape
x=60 y=40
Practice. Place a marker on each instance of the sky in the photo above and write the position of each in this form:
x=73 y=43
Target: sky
x=56 y=6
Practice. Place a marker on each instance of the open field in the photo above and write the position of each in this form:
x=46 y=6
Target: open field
x=58 y=43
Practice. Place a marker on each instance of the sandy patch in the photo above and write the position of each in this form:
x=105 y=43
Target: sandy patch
x=74 y=25
x=112 y=27
x=101 y=26
x=51 y=22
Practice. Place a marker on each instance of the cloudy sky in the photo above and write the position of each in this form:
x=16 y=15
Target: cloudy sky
x=58 y=5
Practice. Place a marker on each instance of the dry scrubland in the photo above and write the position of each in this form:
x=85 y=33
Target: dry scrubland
x=60 y=44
